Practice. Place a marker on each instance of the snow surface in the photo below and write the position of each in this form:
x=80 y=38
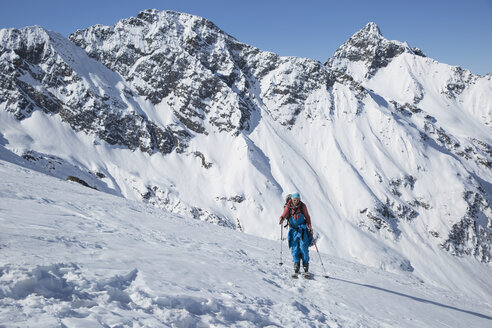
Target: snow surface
x=71 y=256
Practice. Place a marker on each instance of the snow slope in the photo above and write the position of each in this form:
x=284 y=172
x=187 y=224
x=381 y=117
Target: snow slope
x=71 y=256
x=390 y=150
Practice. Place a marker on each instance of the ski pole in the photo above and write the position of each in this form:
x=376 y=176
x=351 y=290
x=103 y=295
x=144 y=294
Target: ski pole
x=281 y=242
x=326 y=275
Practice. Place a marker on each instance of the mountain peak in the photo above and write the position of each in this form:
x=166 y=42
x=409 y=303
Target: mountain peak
x=371 y=28
x=149 y=15
x=369 y=47
x=158 y=17
x=154 y=15
x=370 y=34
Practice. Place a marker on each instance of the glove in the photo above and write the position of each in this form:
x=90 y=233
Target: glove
x=311 y=231
x=281 y=220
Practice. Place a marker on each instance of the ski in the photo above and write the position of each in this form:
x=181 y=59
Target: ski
x=306 y=275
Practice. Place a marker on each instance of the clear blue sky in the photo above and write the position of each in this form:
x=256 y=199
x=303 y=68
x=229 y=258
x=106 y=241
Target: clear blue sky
x=456 y=32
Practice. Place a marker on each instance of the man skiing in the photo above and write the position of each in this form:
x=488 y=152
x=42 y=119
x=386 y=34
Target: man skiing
x=300 y=231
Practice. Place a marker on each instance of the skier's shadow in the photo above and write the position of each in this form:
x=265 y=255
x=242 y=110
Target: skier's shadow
x=415 y=298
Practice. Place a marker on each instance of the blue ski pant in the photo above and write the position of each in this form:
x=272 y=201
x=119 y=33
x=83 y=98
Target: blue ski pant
x=299 y=241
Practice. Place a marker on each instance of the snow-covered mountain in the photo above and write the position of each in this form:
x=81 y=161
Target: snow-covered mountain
x=390 y=149
x=75 y=257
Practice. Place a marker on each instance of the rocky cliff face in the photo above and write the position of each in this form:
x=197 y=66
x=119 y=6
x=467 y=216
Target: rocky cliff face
x=156 y=82
x=42 y=70
x=204 y=74
x=183 y=60
x=369 y=48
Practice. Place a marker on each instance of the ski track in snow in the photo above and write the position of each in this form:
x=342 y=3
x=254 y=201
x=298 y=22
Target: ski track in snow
x=74 y=257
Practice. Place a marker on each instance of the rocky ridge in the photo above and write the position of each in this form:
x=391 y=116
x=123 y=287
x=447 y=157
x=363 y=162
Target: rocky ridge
x=202 y=73
x=368 y=46
x=42 y=70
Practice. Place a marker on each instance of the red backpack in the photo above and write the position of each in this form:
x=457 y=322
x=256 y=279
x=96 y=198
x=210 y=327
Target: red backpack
x=293 y=211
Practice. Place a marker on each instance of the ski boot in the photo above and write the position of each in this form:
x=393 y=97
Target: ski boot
x=297 y=266
x=307 y=275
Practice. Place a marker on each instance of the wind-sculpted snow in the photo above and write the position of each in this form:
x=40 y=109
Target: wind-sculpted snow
x=390 y=149
x=74 y=257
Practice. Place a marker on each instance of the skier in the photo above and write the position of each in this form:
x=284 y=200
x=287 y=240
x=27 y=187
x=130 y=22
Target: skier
x=300 y=232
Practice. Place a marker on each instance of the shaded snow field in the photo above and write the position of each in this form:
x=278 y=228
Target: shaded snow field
x=71 y=256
